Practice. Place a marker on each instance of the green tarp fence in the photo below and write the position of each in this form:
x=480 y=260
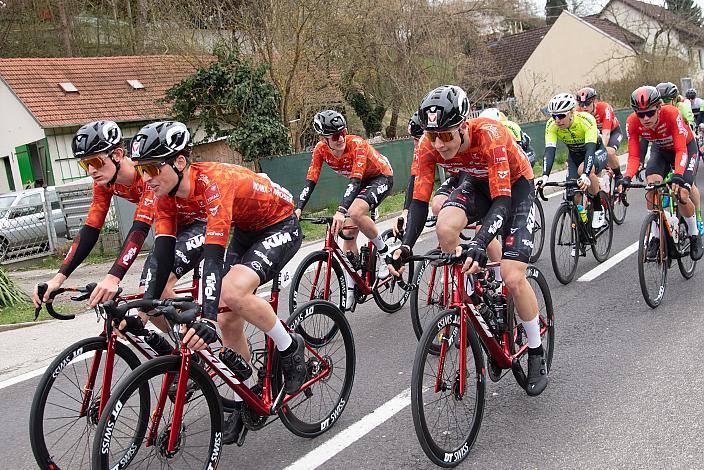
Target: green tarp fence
x=290 y=170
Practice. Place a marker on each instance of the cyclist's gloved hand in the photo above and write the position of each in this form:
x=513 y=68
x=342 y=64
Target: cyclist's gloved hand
x=626 y=181
x=130 y=324
x=540 y=182
x=476 y=257
x=583 y=182
x=398 y=258
x=200 y=335
x=678 y=180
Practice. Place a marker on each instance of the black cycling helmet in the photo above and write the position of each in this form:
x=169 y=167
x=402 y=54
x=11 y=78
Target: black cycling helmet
x=414 y=126
x=644 y=97
x=667 y=90
x=585 y=95
x=96 y=137
x=160 y=141
x=329 y=122
x=443 y=108
x=691 y=94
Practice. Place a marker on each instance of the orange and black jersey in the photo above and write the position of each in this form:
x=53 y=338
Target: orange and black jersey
x=225 y=195
x=138 y=192
x=359 y=160
x=492 y=155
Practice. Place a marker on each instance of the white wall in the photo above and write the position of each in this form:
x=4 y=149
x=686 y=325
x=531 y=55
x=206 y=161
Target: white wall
x=17 y=127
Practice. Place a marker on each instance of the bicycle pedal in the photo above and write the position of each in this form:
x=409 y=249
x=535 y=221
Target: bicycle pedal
x=243 y=435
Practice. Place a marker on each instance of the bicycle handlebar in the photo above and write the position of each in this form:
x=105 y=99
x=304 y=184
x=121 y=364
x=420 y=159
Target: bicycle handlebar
x=168 y=307
x=326 y=219
x=438 y=259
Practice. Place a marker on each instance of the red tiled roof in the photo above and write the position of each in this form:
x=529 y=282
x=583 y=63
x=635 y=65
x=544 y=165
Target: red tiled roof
x=103 y=91
x=615 y=31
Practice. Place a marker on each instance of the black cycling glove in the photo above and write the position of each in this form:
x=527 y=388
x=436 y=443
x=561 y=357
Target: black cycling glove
x=205 y=330
x=133 y=325
x=679 y=179
x=477 y=252
x=405 y=254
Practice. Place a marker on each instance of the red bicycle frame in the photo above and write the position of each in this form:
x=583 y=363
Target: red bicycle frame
x=264 y=406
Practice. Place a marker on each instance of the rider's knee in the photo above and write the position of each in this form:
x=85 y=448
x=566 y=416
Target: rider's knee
x=437 y=203
x=513 y=276
x=356 y=212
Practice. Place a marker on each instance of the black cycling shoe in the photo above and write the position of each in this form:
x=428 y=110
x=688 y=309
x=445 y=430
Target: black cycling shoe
x=537 y=374
x=653 y=249
x=233 y=428
x=293 y=366
x=695 y=247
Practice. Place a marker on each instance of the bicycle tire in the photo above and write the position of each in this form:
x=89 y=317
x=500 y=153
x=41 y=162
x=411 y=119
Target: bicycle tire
x=107 y=432
x=291 y=413
x=546 y=314
x=538 y=231
x=48 y=456
x=653 y=302
x=565 y=212
x=318 y=257
x=397 y=297
x=443 y=454
x=602 y=255
x=685 y=262
x=618 y=208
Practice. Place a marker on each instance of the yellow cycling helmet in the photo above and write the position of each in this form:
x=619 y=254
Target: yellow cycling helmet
x=502 y=116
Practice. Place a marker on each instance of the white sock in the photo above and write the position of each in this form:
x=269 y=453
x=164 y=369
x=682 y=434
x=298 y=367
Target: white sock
x=532 y=328
x=280 y=336
x=692 y=225
x=379 y=243
x=654 y=230
x=497 y=273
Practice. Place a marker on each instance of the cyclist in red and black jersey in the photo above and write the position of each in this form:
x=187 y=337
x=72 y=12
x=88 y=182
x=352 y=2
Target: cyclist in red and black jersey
x=673 y=148
x=266 y=235
x=606 y=121
x=371 y=181
x=497 y=189
x=98 y=145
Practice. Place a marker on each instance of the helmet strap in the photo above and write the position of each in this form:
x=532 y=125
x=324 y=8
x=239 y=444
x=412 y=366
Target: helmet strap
x=179 y=174
x=117 y=169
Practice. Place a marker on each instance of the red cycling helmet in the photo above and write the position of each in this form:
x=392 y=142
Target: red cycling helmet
x=644 y=97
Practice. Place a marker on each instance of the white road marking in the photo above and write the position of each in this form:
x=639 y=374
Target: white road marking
x=341 y=441
x=609 y=263
x=37 y=372
x=558 y=193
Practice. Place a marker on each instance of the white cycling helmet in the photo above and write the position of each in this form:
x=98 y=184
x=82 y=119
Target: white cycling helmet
x=562 y=103
x=491 y=113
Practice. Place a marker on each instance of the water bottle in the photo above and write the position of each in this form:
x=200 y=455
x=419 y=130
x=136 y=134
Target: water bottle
x=582 y=212
x=160 y=344
x=666 y=200
x=236 y=364
x=363 y=257
x=674 y=226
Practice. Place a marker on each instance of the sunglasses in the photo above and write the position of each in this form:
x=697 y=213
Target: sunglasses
x=559 y=116
x=151 y=169
x=644 y=114
x=337 y=136
x=446 y=136
x=586 y=103
x=96 y=162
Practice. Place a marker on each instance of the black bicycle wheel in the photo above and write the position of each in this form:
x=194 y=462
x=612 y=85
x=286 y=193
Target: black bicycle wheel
x=546 y=316
x=618 y=208
x=652 y=273
x=565 y=247
x=685 y=262
x=199 y=442
x=538 y=231
x=387 y=293
x=603 y=236
x=316 y=408
x=427 y=300
x=308 y=282
x=59 y=434
x=446 y=422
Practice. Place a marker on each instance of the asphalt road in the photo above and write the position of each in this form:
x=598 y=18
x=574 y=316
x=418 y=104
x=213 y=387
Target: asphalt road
x=625 y=385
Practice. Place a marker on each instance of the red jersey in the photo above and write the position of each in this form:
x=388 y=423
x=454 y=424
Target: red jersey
x=670 y=134
x=224 y=195
x=605 y=116
x=414 y=162
x=138 y=192
x=492 y=155
x=359 y=160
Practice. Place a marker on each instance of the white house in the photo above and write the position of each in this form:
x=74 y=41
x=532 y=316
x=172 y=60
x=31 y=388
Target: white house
x=44 y=101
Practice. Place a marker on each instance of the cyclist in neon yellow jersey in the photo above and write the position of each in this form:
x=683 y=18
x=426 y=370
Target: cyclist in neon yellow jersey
x=587 y=156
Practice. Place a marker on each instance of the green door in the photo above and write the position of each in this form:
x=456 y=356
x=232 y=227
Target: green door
x=22 y=153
